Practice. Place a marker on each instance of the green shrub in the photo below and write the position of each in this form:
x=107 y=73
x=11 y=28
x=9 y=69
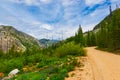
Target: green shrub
x=57 y=77
x=1 y=53
x=69 y=49
x=8 y=65
x=53 y=69
x=31 y=76
x=41 y=64
x=31 y=59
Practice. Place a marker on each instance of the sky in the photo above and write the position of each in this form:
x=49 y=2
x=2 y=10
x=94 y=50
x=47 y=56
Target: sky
x=54 y=19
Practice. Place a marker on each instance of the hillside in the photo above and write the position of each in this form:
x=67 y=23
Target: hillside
x=106 y=34
x=115 y=16
x=12 y=38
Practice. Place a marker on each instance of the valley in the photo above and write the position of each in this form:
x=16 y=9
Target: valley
x=61 y=40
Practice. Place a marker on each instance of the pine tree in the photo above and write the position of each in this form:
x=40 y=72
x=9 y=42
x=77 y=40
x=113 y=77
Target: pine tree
x=115 y=32
x=93 y=39
x=88 y=39
x=79 y=36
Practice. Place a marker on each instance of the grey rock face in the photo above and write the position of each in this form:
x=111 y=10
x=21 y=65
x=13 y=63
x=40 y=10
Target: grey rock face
x=12 y=38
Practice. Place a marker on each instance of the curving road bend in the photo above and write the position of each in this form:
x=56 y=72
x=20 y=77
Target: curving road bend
x=98 y=65
x=105 y=65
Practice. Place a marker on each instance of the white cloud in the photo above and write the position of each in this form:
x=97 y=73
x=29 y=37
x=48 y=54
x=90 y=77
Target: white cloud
x=32 y=2
x=70 y=31
x=2 y=23
x=65 y=31
x=71 y=11
x=67 y=2
x=114 y=0
x=99 y=12
x=88 y=27
x=10 y=18
x=54 y=19
x=16 y=1
x=28 y=2
x=35 y=23
x=92 y=2
x=45 y=1
x=42 y=25
x=46 y=26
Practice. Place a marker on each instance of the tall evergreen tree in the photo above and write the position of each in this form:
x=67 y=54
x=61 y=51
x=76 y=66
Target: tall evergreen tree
x=79 y=36
x=108 y=35
x=88 y=39
x=93 y=39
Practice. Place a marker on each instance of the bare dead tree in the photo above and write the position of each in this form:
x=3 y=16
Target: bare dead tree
x=110 y=9
x=117 y=7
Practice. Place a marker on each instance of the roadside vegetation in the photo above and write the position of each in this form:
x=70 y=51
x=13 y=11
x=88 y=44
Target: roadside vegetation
x=52 y=63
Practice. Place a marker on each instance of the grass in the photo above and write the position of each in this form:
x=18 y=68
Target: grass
x=109 y=50
x=57 y=70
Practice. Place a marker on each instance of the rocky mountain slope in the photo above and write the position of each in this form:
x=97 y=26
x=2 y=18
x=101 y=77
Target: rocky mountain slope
x=47 y=42
x=12 y=38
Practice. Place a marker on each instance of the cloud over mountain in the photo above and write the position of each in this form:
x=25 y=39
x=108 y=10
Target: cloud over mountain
x=42 y=17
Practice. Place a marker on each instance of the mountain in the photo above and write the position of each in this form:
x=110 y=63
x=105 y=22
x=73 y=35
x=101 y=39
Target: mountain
x=106 y=34
x=47 y=42
x=12 y=38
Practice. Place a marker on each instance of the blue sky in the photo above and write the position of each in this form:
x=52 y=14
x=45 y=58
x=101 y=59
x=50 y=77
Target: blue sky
x=47 y=18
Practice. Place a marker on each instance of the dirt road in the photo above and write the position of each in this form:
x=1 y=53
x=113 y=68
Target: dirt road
x=99 y=65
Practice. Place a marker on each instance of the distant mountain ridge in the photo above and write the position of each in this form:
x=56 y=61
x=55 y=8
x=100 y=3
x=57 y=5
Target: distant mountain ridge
x=10 y=37
x=47 y=42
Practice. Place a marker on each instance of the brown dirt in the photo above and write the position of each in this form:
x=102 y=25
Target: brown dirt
x=99 y=65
